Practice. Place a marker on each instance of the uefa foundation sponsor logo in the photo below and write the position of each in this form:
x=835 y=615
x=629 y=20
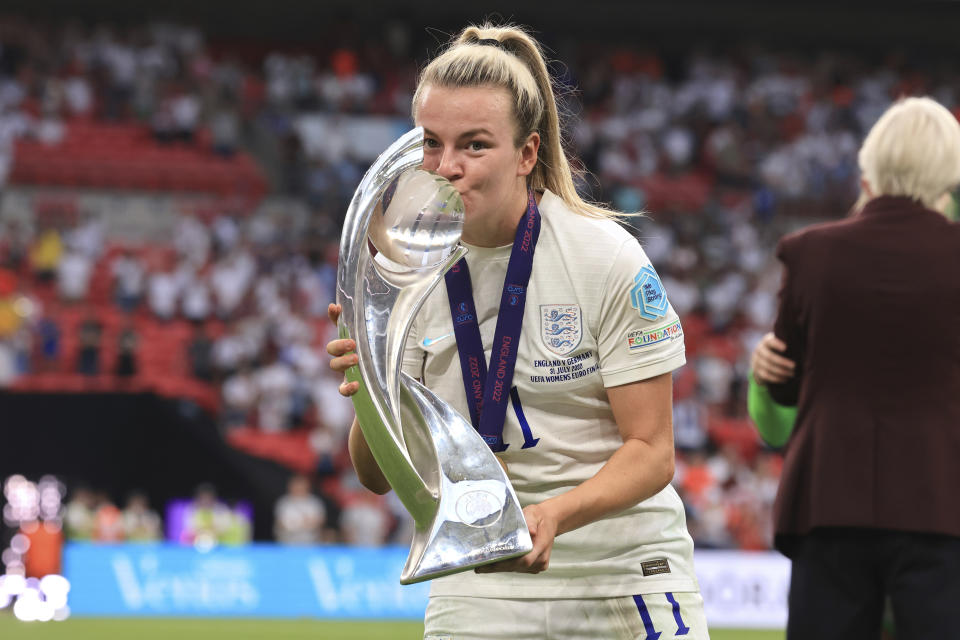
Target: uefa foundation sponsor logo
x=640 y=339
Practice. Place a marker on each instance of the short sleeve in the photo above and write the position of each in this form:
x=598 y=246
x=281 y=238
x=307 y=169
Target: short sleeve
x=640 y=335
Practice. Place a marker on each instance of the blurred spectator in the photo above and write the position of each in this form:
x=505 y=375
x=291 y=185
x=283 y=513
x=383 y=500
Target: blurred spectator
x=162 y=124
x=231 y=279
x=299 y=516
x=48 y=343
x=10 y=319
x=275 y=385
x=120 y=61
x=140 y=522
x=80 y=515
x=229 y=351
x=192 y=241
x=163 y=294
x=690 y=425
x=200 y=354
x=684 y=295
x=225 y=131
x=208 y=519
x=715 y=375
x=405 y=526
x=196 y=300
x=22 y=344
x=238 y=527
x=14 y=124
x=73 y=275
x=334 y=411
x=185 y=115
x=711 y=524
x=226 y=234
x=239 y=398
x=14 y=245
x=87 y=238
x=696 y=479
x=127 y=341
x=128 y=280
x=324 y=442
x=88 y=361
x=364 y=521
x=46 y=254
x=77 y=93
x=8 y=363
x=108 y=521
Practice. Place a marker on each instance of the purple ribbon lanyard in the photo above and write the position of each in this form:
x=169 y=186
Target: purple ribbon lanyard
x=488 y=392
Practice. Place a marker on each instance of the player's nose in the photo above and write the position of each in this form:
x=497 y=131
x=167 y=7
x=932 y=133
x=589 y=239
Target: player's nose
x=449 y=165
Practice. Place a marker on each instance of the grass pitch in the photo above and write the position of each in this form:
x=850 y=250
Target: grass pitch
x=239 y=629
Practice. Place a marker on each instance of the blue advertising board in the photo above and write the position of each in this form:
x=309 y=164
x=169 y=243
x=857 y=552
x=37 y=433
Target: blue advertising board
x=261 y=580
x=740 y=589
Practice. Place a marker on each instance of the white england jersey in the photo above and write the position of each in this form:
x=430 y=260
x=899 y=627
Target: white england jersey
x=596 y=316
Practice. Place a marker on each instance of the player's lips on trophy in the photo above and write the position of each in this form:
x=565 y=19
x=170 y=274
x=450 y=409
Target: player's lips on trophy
x=417 y=221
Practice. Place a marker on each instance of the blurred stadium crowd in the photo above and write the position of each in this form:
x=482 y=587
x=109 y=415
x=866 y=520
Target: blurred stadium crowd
x=725 y=149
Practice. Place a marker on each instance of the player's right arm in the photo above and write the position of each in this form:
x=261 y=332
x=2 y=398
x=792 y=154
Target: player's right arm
x=344 y=357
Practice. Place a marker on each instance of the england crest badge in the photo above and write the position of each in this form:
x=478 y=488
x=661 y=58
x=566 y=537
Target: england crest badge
x=647 y=294
x=560 y=327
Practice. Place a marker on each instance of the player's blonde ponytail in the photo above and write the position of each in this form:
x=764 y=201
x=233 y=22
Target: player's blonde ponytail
x=508 y=57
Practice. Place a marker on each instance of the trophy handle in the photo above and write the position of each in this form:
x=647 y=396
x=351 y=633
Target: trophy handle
x=387 y=312
x=354 y=269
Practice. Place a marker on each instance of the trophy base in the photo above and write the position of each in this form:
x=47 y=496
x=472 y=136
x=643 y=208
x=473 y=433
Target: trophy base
x=449 y=552
x=437 y=563
x=477 y=521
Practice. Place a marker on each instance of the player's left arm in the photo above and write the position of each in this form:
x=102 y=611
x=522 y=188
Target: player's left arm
x=639 y=469
x=639 y=342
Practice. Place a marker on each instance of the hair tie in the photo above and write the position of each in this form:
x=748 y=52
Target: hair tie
x=491 y=42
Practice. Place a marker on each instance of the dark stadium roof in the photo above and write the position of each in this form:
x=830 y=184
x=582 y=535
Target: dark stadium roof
x=812 y=23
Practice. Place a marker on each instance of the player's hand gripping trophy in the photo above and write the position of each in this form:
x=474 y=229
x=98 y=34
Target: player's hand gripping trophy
x=464 y=507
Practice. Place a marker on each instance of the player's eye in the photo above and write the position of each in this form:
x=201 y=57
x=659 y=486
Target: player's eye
x=431 y=143
x=476 y=145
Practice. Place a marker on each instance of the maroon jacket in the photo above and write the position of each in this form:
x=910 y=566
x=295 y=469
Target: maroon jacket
x=870 y=311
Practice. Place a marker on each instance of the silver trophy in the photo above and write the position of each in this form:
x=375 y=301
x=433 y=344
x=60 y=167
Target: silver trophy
x=464 y=507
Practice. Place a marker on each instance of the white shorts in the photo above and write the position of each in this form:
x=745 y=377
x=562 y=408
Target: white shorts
x=654 y=616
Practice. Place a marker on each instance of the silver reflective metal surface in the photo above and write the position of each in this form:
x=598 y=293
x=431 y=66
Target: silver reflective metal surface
x=465 y=509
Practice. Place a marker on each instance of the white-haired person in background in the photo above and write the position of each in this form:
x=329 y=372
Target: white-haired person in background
x=585 y=430
x=866 y=346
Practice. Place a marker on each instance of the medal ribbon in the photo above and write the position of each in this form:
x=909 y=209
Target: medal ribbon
x=488 y=392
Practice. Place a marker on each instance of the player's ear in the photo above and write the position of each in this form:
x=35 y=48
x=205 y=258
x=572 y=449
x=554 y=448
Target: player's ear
x=529 y=151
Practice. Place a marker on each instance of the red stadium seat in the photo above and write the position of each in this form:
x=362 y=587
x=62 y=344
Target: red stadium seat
x=126 y=157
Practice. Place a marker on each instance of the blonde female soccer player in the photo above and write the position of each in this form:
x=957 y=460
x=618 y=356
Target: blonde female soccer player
x=580 y=410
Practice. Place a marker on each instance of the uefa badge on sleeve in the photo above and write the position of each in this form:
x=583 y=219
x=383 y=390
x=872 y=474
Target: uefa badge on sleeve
x=647 y=294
